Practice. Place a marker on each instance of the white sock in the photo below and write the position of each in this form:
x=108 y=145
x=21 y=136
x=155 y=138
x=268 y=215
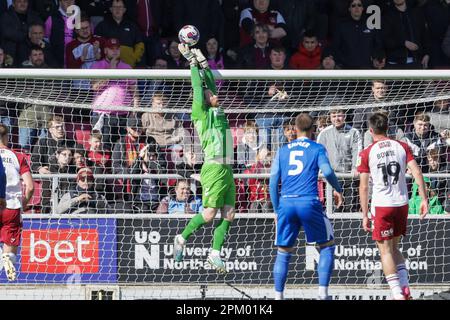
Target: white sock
x=181 y=239
x=279 y=295
x=394 y=284
x=323 y=292
x=12 y=257
x=403 y=275
x=215 y=253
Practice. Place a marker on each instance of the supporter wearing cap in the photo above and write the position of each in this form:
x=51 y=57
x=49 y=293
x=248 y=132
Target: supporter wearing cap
x=112 y=56
x=118 y=26
x=83 y=198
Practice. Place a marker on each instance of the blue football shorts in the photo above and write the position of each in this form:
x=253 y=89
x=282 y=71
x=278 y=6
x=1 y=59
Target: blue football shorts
x=293 y=213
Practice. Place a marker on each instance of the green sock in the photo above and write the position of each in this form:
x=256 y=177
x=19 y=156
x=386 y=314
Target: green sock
x=196 y=222
x=219 y=234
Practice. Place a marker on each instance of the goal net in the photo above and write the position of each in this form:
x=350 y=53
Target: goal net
x=116 y=161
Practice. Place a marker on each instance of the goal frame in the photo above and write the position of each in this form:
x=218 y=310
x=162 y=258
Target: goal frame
x=149 y=74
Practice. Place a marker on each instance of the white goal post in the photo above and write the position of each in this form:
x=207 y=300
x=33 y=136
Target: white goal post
x=128 y=253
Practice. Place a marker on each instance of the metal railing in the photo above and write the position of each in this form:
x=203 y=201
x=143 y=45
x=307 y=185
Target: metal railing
x=54 y=178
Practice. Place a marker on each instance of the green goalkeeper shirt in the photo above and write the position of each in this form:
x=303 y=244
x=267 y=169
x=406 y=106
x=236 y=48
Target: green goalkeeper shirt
x=211 y=123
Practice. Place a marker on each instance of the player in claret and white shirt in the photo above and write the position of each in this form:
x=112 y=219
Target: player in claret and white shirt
x=386 y=161
x=16 y=167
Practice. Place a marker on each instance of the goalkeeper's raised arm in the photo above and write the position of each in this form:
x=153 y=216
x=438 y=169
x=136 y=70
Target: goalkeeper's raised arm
x=209 y=77
x=203 y=99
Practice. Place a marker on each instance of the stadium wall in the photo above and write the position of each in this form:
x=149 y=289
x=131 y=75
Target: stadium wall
x=131 y=255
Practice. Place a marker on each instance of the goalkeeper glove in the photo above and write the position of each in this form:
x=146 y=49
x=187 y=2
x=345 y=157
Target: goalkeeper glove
x=187 y=53
x=200 y=58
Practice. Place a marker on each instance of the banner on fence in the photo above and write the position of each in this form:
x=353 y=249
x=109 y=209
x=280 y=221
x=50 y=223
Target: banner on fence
x=70 y=251
x=145 y=249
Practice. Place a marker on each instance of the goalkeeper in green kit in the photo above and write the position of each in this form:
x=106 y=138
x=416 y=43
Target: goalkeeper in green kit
x=216 y=176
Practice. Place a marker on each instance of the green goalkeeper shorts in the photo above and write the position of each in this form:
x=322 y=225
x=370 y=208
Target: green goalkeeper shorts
x=218 y=185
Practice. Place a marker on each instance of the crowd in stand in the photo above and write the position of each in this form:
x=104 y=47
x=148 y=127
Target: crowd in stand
x=240 y=34
x=234 y=33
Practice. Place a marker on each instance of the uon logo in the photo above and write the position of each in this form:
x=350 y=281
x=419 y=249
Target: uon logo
x=152 y=256
x=55 y=250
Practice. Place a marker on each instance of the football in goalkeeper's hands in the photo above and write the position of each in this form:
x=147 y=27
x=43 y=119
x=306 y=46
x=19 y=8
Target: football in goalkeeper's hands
x=189 y=35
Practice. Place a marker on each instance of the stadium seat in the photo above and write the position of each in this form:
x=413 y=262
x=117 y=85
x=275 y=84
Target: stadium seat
x=35 y=201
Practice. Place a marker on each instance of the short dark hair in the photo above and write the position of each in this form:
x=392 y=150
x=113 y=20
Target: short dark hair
x=422 y=116
x=309 y=34
x=304 y=122
x=55 y=119
x=80 y=150
x=379 y=123
x=279 y=49
x=349 y=3
x=263 y=27
x=64 y=148
x=35 y=47
x=289 y=122
x=84 y=17
x=123 y=1
x=35 y=24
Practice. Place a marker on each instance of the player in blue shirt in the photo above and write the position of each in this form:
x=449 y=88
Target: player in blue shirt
x=297 y=164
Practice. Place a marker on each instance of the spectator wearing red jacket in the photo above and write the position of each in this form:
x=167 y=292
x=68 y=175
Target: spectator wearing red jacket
x=99 y=160
x=86 y=48
x=98 y=155
x=308 y=54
